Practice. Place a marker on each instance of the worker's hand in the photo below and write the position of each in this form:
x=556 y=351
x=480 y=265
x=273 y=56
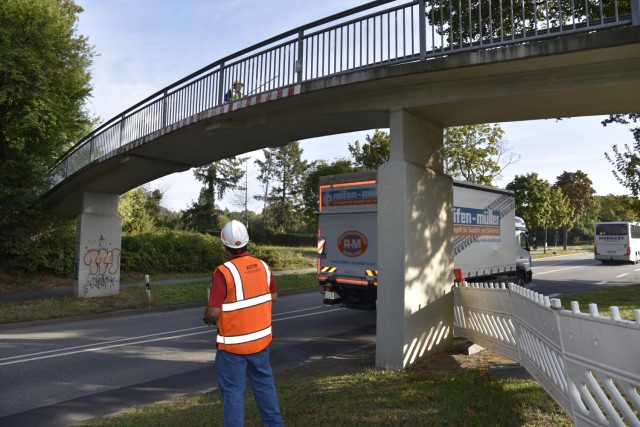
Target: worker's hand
x=206 y=322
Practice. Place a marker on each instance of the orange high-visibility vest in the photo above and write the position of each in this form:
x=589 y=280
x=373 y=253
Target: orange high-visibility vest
x=244 y=323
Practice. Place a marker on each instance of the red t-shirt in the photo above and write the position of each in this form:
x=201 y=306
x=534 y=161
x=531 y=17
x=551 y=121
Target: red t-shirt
x=219 y=286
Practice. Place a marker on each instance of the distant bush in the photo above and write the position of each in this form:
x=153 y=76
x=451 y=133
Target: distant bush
x=170 y=251
x=283 y=239
x=50 y=251
x=284 y=257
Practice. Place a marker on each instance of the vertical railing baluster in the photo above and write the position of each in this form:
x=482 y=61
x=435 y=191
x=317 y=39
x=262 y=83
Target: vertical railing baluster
x=164 y=109
x=221 y=84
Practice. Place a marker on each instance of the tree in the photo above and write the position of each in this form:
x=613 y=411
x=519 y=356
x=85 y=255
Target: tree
x=533 y=201
x=44 y=83
x=266 y=170
x=627 y=161
x=217 y=178
x=242 y=199
x=140 y=210
x=310 y=195
x=560 y=211
x=578 y=189
x=469 y=22
x=476 y=153
x=617 y=208
x=373 y=153
x=285 y=197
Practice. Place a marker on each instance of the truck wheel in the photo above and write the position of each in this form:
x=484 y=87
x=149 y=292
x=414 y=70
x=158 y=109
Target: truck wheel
x=522 y=278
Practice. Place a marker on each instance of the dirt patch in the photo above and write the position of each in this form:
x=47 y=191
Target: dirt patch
x=457 y=360
x=440 y=364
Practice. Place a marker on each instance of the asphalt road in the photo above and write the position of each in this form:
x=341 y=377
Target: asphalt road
x=58 y=374
x=560 y=277
x=62 y=373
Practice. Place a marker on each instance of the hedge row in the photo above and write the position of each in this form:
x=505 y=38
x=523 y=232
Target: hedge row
x=171 y=252
x=164 y=251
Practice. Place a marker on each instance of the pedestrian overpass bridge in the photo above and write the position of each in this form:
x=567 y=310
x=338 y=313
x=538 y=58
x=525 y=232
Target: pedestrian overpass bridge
x=415 y=67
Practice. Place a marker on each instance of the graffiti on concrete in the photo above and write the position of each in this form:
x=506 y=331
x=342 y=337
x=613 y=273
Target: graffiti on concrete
x=104 y=266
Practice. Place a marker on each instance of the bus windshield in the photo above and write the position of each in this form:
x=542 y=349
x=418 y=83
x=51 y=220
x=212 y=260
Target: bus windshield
x=612 y=229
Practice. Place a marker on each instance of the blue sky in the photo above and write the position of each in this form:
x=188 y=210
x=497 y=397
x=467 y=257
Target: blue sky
x=145 y=45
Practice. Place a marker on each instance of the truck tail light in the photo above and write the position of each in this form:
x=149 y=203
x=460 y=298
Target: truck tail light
x=595 y=250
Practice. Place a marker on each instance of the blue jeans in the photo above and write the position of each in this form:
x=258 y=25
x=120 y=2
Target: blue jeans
x=232 y=370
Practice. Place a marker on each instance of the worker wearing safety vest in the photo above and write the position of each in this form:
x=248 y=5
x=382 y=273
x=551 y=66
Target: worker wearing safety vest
x=242 y=292
x=235 y=92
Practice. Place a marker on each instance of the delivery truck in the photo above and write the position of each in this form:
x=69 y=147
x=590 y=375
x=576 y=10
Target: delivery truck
x=490 y=242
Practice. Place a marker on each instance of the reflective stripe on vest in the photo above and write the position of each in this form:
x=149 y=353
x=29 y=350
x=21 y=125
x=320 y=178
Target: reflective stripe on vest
x=245 y=338
x=237 y=280
x=239 y=305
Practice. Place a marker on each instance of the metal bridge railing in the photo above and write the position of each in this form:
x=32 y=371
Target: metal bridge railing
x=376 y=34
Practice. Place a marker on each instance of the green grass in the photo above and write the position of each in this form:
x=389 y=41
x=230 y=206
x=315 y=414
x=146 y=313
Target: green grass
x=361 y=395
x=559 y=251
x=626 y=298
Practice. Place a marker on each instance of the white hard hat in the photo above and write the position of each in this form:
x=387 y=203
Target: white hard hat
x=234 y=235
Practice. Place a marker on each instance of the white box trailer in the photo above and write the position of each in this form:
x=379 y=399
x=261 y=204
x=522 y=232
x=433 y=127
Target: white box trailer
x=484 y=225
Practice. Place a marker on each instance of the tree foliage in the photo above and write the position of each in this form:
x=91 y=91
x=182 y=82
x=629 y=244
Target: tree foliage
x=578 y=189
x=310 y=195
x=533 y=200
x=373 y=153
x=44 y=83
x=217 y=178
x=470 y=22
x=618 y=208
x=283 y=171
x=476 y=153
x=266 y=173
x=141 y=210
x=626 y=161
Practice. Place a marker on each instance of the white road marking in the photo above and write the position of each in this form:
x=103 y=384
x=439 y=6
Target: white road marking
x=560 y=269
x=139 y=340
x=622 y=275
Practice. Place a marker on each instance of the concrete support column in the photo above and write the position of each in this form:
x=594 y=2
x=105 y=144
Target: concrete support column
x=98 y=242
x=415 y=246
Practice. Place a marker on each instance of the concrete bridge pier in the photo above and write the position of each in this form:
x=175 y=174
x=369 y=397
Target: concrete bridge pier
x=98 y=243
x=415 y=249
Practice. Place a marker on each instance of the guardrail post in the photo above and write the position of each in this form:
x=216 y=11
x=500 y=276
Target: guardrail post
x=301 y=56
x=164 y=109
x=635 y=12
x=221 y=84
x=122 y=119
x=422 y=13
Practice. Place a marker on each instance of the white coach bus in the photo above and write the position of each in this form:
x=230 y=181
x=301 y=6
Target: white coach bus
x=617 y=241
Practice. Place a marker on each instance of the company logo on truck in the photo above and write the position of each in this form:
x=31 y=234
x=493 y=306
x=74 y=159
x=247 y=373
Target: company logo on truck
x=352 y=243
x=352 y=196
x=475 y=222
